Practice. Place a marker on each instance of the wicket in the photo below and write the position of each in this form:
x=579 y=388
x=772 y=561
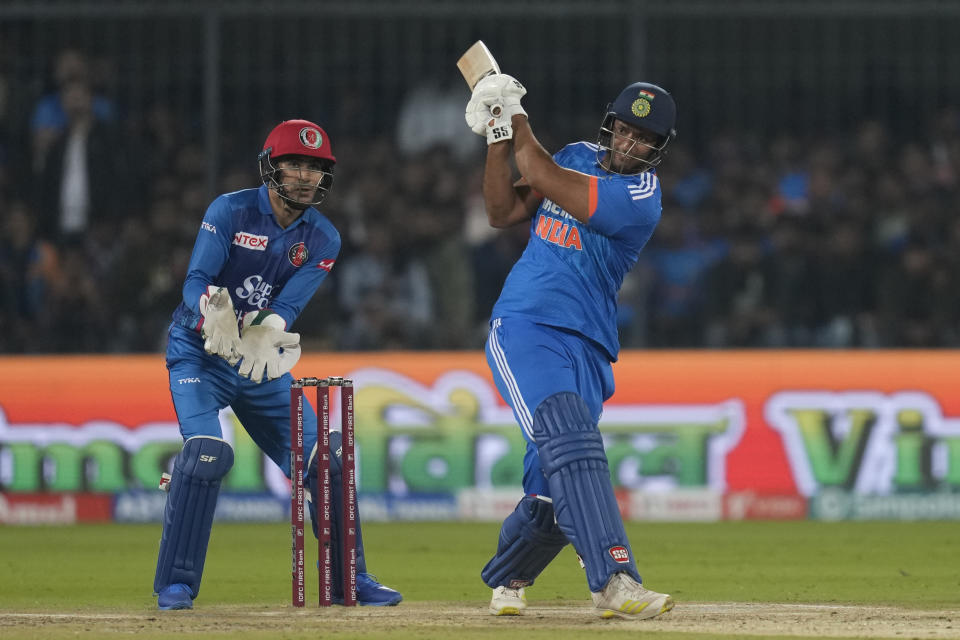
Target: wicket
x=348 y=534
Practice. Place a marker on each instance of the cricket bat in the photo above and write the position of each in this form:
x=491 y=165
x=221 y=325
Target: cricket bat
x=478 y=63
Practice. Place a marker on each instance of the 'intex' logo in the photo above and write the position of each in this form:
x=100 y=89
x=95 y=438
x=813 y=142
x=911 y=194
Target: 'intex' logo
x=250 y=241
x=619 y=554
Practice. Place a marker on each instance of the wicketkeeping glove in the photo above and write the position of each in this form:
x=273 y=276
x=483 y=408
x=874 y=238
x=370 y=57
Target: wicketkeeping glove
x=219 y=328
x=266 y=347
x=495 y=100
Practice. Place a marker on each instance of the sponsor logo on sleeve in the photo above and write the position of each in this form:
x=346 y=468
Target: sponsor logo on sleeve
x=250 y=241
x=206 y=226
x=326 y=265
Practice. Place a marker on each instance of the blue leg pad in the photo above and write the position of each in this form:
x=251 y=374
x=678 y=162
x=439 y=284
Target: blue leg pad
x=573 y=459
x=188 y=514
x=529 y=540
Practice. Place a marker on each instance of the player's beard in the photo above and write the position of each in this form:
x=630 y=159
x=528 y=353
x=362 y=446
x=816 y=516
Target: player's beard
x=297 y=196
x=618 y=162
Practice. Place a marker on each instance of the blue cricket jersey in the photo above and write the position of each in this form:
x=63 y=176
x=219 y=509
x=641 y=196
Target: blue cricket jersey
x=241 y=246
x=570 y=273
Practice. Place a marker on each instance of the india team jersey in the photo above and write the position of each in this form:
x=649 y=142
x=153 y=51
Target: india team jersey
x=570 y=273
x=241 y=247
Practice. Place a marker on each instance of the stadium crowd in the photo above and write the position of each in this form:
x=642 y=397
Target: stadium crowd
x=845 y=239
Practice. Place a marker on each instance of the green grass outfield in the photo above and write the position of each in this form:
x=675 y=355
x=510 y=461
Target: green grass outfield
x=98 y=578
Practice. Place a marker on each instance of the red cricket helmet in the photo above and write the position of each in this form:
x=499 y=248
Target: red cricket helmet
x=297 y=138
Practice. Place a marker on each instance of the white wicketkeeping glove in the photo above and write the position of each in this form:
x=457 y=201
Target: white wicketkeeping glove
x=495 y=100
x=266 y=347
x=219 y=328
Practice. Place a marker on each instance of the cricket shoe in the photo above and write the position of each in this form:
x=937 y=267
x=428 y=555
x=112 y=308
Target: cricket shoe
x=625 y=597
x=371 y=593
x=175 y=596
x=508 y=602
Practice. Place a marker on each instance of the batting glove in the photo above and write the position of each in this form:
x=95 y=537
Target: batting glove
x=219 y=328
x=266 y=348
x=495 y=100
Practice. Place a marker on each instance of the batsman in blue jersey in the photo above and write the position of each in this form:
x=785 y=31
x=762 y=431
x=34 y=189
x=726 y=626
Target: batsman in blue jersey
x=259 y=257
x=553 y=333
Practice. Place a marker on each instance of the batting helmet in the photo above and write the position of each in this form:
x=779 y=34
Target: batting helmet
x=648 y=107
x=297 y=138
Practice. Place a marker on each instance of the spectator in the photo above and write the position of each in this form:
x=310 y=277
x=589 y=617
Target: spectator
x=28 y=272
x=432 y=116
x=911 y=300
x=85 y=181
x=846 y=273
x=738 y=292
x=386 y=295
x=675 y=262
x=50 y=115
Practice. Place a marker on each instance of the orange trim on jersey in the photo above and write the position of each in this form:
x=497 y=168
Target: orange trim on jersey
x=592 y=197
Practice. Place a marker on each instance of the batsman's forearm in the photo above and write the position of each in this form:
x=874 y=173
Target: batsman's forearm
x=568 y=188
x=498 y=192
x=532 y=159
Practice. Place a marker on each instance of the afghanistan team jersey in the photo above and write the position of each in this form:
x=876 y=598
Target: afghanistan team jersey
x=570 y=273
x=241 y=246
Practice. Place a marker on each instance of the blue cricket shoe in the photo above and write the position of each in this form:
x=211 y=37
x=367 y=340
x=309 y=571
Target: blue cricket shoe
x=371 y=593
x=175 y=596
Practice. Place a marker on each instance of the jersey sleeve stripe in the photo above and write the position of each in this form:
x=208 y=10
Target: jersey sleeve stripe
x=592 y=197
x=646 y=188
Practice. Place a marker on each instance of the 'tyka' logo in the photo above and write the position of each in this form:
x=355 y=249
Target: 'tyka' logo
x=619 y=554
x=298 y=254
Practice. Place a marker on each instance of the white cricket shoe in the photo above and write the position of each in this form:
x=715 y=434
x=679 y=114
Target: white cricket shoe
x=625 y=597
x=508 y=602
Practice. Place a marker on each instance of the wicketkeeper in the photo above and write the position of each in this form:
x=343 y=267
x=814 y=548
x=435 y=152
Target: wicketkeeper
x=259 y=257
